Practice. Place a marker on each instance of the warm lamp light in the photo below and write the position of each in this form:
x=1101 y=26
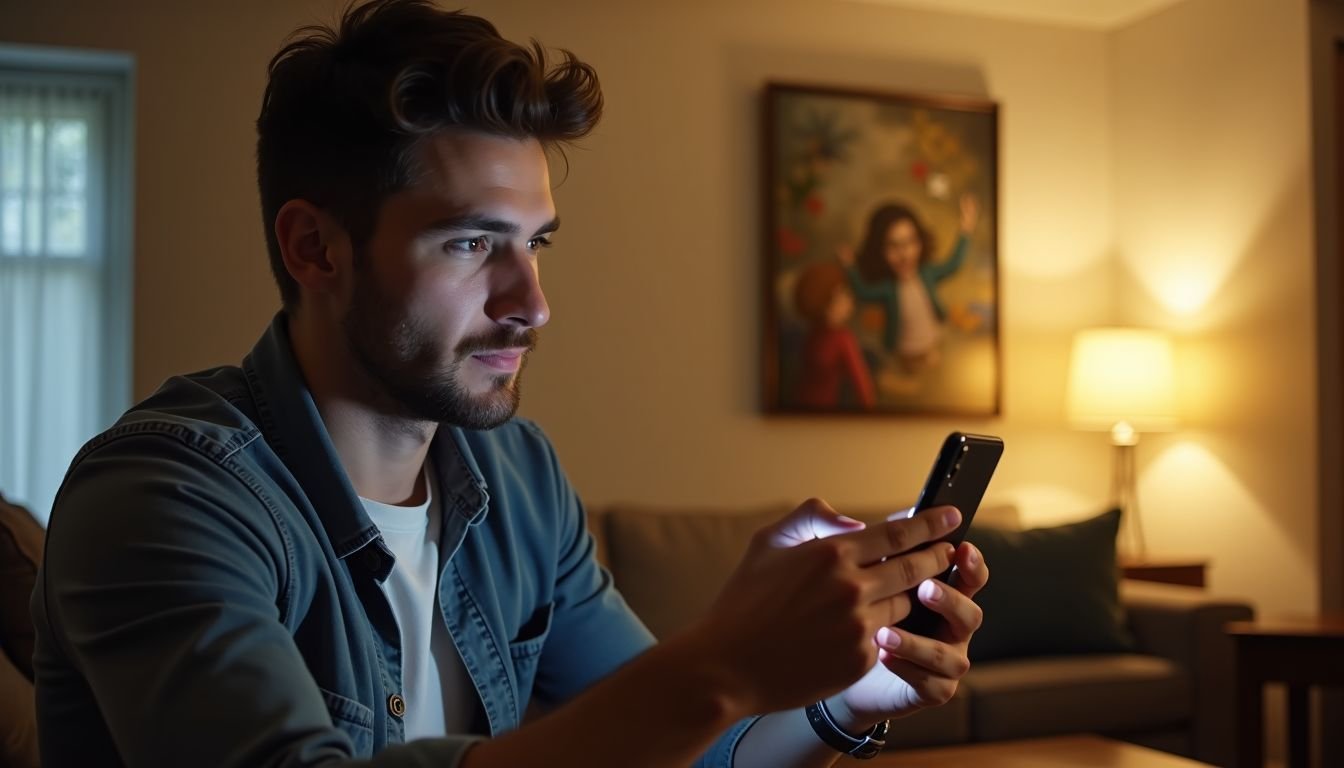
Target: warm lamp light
x=1123 y=380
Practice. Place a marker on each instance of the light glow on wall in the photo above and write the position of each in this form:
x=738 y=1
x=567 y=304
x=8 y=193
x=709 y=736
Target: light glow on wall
x=1184 y=272
x=1185 y=286
x=1198 y=503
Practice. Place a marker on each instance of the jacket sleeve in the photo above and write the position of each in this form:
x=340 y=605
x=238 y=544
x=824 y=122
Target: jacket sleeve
x=593 y=631
x=164 y=584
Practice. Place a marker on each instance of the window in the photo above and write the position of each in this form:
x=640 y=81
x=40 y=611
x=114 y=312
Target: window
x=65 y=213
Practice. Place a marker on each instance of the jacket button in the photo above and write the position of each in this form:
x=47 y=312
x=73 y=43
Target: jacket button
x=396 y=705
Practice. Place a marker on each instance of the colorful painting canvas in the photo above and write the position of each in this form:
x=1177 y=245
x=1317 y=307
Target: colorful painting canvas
x=880 y=279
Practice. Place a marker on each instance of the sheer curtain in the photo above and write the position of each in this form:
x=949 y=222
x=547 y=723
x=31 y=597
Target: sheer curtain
x=60 y=375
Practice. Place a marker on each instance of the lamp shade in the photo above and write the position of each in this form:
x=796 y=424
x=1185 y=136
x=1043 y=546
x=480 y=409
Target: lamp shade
x=1122 y=376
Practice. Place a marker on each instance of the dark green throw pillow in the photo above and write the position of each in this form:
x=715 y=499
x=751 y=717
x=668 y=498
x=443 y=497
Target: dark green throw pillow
x=1051 y=591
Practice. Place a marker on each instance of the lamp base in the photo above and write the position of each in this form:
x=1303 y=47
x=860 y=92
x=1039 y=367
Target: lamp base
x=1125 y=493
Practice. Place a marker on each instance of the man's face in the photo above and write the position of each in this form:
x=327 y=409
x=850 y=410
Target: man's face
x=446 y=301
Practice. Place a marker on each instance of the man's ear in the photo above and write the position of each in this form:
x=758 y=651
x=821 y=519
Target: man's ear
x=315 y=248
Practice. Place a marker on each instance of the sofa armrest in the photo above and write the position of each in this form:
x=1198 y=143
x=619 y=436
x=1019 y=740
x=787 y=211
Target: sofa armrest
x=1186 y=625
x=18 y=717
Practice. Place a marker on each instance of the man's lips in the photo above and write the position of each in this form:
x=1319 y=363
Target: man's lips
x=501 y=359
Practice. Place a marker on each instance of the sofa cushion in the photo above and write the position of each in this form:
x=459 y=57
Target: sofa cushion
x=670 y=565
x=1051 y=590
x=1023 y=698
x=21 y=538
x=670 y=562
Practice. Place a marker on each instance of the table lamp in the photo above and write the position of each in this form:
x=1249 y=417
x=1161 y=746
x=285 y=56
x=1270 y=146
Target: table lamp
x=1122 y=380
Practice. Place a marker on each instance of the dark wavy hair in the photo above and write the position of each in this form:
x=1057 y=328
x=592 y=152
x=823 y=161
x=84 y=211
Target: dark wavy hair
x=872 y=259
x=346 y=109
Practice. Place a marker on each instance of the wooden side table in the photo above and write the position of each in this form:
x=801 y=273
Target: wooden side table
x=1188 y=571
x=1300 y=652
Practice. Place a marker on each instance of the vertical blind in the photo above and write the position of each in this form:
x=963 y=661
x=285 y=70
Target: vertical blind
x=62 y=365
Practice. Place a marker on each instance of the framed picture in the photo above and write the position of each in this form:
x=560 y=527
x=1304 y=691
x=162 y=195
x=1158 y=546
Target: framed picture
x=881 y=253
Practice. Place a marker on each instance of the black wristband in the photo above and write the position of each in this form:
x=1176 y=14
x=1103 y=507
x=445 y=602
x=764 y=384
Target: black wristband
x=863 y=747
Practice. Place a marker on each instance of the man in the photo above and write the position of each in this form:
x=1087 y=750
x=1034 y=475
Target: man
x=348 y=548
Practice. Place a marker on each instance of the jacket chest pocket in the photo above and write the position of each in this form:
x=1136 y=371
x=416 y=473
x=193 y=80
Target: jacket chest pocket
x=351 y=718
x=525 y=650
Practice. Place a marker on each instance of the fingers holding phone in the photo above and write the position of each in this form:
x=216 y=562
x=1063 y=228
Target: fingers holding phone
x=970 y=571
x=894 y=557
x=890 y=559
x=959 y=477
x=811 y=603
x=932 y=666
x=952 y=600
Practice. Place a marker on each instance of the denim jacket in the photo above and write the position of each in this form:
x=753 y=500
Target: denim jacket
x=210 y=593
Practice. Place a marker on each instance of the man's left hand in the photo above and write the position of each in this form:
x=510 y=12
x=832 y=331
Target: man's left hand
x=912 y=671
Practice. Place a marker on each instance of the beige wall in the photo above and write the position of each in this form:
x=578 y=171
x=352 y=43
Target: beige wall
x=646 y=379
x=1213 y=222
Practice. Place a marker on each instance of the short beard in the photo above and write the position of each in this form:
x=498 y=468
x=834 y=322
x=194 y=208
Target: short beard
x=439 y=395
x=404 y=359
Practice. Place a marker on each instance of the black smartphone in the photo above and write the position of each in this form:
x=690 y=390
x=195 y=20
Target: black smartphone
x=960 y=475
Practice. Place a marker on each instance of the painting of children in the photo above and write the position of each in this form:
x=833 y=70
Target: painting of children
x=834 y=373
x=865 y=312
x=896 y=269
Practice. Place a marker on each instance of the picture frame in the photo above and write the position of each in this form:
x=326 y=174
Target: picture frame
x=861 y=316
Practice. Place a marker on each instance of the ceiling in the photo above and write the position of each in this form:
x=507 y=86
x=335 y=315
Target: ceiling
x=1093 y=14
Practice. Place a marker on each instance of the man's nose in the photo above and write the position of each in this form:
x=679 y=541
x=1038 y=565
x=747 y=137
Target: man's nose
x=516 y=297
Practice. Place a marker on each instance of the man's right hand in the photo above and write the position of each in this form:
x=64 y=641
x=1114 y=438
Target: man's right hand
x=797 y=619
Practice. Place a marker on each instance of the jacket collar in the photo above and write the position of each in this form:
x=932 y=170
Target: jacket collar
x=289 y=419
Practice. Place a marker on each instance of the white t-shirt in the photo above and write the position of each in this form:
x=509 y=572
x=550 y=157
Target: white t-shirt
x=438 y=692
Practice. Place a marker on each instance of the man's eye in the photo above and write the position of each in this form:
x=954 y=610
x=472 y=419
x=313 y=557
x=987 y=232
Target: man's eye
x=537 y=243
x=469 y=245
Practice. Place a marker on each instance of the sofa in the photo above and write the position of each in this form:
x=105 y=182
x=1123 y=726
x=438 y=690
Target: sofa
x=1166 y=682
x=20 y=552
